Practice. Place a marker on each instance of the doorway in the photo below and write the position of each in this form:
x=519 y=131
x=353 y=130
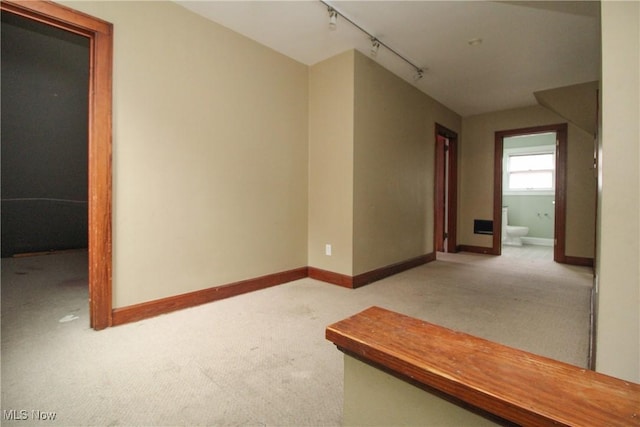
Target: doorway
x=45 y=76
x=530 y=188
x=100 y=35
x=446 y=189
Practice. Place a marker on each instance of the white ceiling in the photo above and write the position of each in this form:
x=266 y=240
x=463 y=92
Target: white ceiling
x=527 y=45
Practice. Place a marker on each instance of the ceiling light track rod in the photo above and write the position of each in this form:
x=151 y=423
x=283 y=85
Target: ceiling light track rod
x=419 y=70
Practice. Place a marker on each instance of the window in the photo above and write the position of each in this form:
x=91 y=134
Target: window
x=529 y=170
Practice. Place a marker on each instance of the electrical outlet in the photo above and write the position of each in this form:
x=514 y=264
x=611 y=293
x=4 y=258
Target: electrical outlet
x=327 y=249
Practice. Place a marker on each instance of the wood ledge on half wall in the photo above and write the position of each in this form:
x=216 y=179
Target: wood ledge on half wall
x=145 y=310
x=514 y=385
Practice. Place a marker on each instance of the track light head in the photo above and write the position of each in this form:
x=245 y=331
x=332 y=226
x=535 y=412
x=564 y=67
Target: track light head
x=333 y=19
x=375 y=45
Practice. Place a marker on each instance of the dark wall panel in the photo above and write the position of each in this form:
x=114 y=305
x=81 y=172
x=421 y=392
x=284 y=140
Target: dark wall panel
x=45 y=78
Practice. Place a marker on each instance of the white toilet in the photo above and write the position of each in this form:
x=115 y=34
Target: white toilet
x=512 y=234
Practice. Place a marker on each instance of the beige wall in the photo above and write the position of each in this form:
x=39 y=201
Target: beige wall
x=618 y=266
x=393 y=167
x=209 y=153
x=331 y=92
x=575 y=103
x=581 y=194
x=371 y=143
x=476 y=176
x=375 y=398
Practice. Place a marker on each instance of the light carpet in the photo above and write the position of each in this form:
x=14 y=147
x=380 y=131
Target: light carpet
x=259 y=358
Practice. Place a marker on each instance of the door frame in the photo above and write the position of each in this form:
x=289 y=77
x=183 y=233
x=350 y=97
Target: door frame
x=560 y=209
x=440 y=170
x=100 y=34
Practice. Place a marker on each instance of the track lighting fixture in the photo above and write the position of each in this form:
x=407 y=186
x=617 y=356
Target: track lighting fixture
x=375 y=45
x=333 y=19
x=375 y=42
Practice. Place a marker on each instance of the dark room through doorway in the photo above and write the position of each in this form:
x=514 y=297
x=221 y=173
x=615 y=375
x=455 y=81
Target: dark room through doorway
x=45 y=102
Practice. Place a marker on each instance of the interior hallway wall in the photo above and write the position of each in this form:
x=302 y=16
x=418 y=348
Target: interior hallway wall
x=476 y=176
x=371 y=165
x=394 y=147
x=331 y=100
x=617 y=267
x=209 y=153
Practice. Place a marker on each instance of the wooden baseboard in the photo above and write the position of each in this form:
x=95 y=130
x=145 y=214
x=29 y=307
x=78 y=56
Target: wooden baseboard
x=148 y=309
x=331 y=277
x=390 y=270
x=370 y=276
x=477 y=249
x=576 y=260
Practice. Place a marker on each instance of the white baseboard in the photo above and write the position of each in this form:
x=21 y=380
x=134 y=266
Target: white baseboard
x=539 y=241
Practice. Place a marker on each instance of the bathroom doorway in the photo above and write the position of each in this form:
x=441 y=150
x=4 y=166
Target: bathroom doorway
x=530 y=192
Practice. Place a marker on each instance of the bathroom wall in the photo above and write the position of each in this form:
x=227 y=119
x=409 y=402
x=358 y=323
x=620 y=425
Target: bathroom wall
x=535 y=140
x=535 y=211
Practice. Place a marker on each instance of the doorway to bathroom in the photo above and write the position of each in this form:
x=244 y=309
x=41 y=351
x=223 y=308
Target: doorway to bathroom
x=530 y=192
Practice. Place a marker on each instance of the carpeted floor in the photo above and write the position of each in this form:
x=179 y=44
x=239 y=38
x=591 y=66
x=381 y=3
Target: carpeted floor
x=259 y=358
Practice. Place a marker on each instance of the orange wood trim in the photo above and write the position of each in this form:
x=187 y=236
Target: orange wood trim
x=452 y=239
x=559 y=254
x=497 y=193
x=57 y=15
x=390 y=270
x=100 y=34
x=515 y=385
x=145 y=310
x=477 y=249
x=100 y=214
x=575 y=260
x=331 y=277
x=439 y=194
x=362 y=279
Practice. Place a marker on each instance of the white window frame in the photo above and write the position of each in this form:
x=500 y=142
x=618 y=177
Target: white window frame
x=523 y=151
